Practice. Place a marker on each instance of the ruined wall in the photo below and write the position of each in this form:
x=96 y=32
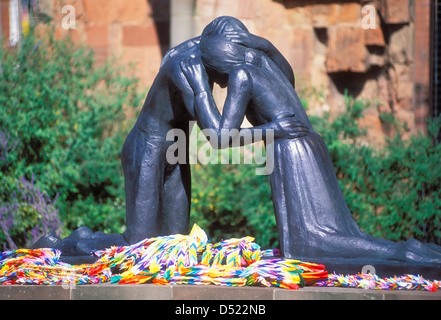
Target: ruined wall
x=135 y=32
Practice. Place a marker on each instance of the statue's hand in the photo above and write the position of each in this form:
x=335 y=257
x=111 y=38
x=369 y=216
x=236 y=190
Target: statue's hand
x=246 y=39
x=194 y=72
x=289 y=128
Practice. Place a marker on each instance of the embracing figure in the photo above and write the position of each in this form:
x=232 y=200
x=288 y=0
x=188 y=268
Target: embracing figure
x=312 y=216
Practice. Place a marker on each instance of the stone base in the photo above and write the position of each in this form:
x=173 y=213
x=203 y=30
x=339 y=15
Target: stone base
x=201 y=292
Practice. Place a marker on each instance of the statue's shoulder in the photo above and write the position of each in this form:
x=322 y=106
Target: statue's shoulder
x=186 y=48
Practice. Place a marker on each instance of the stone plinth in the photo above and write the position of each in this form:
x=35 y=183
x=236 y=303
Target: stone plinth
x=202 y=292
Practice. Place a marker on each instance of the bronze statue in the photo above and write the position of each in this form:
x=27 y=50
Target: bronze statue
x=314 y=222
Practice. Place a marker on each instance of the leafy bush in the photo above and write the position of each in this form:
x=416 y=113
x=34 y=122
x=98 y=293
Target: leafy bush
x=63 y=122
x=29 y=213
x=230 y=200
x=393 y=192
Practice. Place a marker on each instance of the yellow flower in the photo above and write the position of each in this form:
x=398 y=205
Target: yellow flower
x=26 y=27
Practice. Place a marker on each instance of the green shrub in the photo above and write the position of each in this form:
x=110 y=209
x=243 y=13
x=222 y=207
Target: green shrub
x=63 y=122
x=392 y=191
x=230 y=200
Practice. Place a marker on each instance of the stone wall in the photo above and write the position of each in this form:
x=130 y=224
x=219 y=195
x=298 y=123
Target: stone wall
x=326 y=42
x=134 y=32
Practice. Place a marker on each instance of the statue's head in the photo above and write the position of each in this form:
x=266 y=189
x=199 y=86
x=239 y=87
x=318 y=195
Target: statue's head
x=221 y=25
x=217 y=52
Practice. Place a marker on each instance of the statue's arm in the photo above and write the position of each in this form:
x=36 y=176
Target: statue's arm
x=224 y=130
x=280 y=61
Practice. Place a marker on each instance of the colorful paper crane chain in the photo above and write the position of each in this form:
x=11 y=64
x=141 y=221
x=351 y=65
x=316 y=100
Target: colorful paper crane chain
x=189 y=259
x=175 y=259
x=369 y=281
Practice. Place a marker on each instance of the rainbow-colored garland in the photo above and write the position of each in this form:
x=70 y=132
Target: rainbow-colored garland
x=175 y=259
x=188 y=259
x=369 y=281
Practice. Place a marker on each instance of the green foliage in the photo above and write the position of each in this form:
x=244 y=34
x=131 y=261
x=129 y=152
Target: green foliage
x=28 y=215
x=63 y=121
x=392 y=191
x=230 y=200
